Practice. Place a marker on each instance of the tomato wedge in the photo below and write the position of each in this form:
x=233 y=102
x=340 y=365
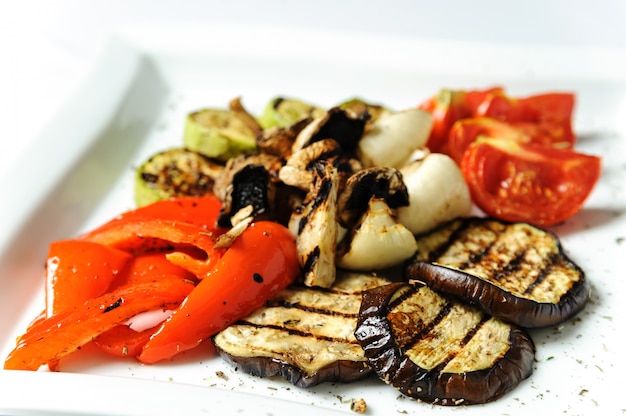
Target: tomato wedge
x=262 y=261
x=528 y=182
x=64 y=333
x=534 y=108
x=78 y=270
x=448 y=106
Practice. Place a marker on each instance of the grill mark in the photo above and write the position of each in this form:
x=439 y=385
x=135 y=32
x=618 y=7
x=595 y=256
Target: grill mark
x=297 y=333
x=543 y=274
x=466 y=339
x=475 y=258
x=454 y=237
x=423 y=333
x=511 y=267
x=293 y=305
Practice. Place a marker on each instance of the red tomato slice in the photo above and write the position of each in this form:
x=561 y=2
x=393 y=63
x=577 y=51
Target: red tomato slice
x=528 y=182
x=448 y=106
x=547 y=133
x=78 y=270
x=262 y=261
x=535 y=108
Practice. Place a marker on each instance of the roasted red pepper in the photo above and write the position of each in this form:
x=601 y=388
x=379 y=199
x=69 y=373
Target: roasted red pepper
x=78 y=270
x=62 y=334
x=262 y=261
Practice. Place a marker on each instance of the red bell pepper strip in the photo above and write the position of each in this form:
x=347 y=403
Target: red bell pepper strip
x=194 y=247
x=122 y=341
x=262 y=261
x=78 y=270
x=201 y=211
x=64 y=333
x=146 y=266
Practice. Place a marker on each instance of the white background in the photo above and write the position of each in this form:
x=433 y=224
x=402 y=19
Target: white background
x=46 y=46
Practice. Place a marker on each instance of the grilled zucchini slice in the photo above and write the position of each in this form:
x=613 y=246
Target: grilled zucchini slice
x=219 y=133
x=514 y=271
x=305 y=335
x=440 y=350
x=283 y=112
x=173 y=173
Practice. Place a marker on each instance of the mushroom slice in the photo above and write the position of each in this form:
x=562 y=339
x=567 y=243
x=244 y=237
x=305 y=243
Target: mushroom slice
x=437 y=193
x=394 y=136
x=297 y=171
x=315 y=227
x=437 y=349
x=305 y=335
x=360 y=106
x=380 y=182
x=346 y=127
x=248 y=180
x=514 y=271
x=278 y=140
x=377 y=242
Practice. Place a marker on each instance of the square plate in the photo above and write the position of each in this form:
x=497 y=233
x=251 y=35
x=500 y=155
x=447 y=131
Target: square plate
x=133 y=103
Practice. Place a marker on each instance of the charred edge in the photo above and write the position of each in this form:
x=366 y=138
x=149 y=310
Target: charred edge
x=329 y=154
x=322 y=194
x=250 y=188
x=544 y=273
x=311 y=259
x=454 y=236
x=345 y=130
x=114 y=305
x=278 y=102
x=290 y=305
x=296 y=332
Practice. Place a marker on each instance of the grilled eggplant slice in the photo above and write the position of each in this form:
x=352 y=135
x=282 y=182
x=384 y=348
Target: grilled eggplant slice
x=514 y=271
x=173 y=173
x=439 y=350
x=305 y=335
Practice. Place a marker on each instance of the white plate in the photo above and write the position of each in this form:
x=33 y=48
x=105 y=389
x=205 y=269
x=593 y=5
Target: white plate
x=79 y=174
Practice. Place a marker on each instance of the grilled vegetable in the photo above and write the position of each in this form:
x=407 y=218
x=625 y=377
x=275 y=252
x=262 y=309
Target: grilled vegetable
x=174 y=173
x=304 y=335
x=360 y=106
x=514 y=271
x=393 y=137
x=433 y=348
x=437 y=193
x=377 y=241
x=315 y=225
x=219 y=133
x=248 y=180
x=346 y=127
x=283 y=112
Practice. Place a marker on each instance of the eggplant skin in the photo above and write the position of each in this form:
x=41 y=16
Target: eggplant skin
x=498 y=302
x=304 y=334
x=514 y=271
x=388 y=350
x=342 y=371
